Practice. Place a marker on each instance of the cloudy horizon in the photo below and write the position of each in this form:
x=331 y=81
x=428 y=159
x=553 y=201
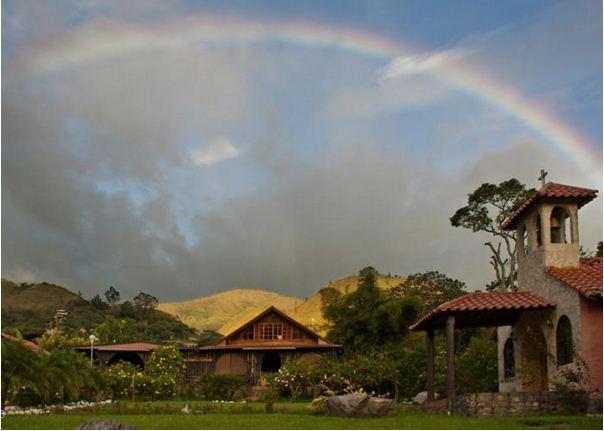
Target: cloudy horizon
x=162 y=147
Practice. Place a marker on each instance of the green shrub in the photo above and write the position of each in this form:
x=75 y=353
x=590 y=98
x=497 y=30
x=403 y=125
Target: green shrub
x=213 y=386
x=122 y=377
x=476 y=368
x=293 y=378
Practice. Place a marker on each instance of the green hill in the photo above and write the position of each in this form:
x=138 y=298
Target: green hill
x=212 y=312
x=32 y=307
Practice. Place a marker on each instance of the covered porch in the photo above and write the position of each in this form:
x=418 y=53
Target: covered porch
x=476 y=309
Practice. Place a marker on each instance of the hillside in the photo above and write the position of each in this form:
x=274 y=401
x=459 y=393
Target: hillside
x=212 y=312
x=309 y=312
x=41 y=297
x=31 y=307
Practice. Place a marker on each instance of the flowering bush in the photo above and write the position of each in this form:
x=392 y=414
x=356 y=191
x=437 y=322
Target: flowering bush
x=293 y=378
x=221 y=387
x=122 y=378
x=165 y=370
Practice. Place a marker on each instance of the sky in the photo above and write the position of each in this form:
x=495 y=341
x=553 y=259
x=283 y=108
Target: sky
x=183 y=148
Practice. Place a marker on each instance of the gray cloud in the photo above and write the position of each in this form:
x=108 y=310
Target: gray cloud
x=98 y=188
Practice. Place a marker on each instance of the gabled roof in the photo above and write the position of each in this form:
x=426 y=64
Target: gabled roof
x=272 y=309
x=29 y=345
x=551 y=190
x=586 y=278
x=482 y=309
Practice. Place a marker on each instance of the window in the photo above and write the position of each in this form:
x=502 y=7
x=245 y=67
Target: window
x=564 y=341
x=298 y=334
x=525 y=239
x=538 y=224
x=509 y=361
x=559 y=226
x=248 y=333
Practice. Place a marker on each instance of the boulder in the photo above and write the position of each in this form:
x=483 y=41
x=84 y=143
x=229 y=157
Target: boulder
x=96 y=424
x=358 y=406
x=422 y=397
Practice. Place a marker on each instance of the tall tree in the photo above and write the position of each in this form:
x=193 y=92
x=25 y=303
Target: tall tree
x=488 y=206
x=112 y=296
x=367 y=318
x=432 y=288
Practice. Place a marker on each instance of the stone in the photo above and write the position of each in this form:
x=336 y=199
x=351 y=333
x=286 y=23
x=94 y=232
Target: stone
x=422 y=397
x=358 y=406
x=96 y=424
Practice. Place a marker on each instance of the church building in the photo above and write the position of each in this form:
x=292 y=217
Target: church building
x=536 y=350
x=552 y=325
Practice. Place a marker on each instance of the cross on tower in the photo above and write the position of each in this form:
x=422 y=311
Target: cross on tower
x=542 y=177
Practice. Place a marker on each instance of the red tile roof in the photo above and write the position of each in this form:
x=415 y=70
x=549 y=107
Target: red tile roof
x=552 y=190
x=125 y=347
x=29 y=345
x=484 y=301
x=586 y=278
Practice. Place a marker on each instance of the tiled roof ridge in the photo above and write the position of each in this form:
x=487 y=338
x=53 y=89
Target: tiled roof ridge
x=551 y=189
x=468 y=302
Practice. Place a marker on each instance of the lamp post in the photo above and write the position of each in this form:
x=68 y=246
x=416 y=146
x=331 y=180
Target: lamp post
x=92 y=338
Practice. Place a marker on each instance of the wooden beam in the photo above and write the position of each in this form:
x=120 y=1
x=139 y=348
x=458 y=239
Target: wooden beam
x=430 y=364
x=450 y=359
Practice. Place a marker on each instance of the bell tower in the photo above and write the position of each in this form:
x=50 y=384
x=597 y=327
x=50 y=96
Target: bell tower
x=547 y=226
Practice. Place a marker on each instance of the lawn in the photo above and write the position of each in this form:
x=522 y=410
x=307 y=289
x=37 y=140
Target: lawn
x=286 y=416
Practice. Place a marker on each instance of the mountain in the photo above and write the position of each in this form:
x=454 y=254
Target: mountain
x=212 y=312
x=309 y=312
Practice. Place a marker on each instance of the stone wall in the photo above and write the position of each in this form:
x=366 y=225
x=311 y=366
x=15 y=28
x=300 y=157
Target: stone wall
x=512 y=404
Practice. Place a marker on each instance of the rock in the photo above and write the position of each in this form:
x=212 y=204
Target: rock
x=318 y=405
x=96 y=424
x=422 y=397
x=358 y=406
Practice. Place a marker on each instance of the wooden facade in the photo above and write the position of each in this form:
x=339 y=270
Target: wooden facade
x=261 y=346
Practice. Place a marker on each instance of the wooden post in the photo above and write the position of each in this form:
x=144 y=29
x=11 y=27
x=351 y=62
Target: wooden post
x=450 y=360
x=430 y=364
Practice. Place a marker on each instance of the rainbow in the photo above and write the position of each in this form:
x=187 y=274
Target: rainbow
x=104 y=39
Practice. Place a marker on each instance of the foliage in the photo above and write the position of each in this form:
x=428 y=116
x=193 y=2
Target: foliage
x=123 y=378
x=165 y=369
x=208 y=338
x=488 y=206
x=569 y=386
x=432 y=288
x=30 y=378
x=294 y=377
x=97 y=303
x=145 y=301
x=214 y=386
x=476 y=368
x=112 y=296
x=367 y=317
x=54 y=339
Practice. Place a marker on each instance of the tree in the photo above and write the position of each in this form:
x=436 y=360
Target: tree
x=112 y=296
x=488 y=206
x=98 y=303
x=367 y=317
x=432 y=289
x=145 y=301
x=208 y=337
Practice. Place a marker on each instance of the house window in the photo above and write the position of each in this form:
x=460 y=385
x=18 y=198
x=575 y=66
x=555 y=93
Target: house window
x=564 y=341
x=509 y=362
x=297 y=333
x=248 y=333
x=559 y=226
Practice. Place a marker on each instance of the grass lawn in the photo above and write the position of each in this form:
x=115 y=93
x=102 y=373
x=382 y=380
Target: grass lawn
x=287 y=416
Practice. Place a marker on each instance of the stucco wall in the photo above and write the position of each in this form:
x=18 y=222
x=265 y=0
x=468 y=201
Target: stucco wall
x=591 y=329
